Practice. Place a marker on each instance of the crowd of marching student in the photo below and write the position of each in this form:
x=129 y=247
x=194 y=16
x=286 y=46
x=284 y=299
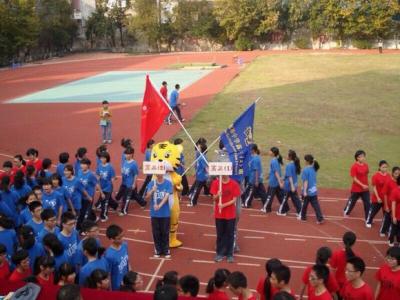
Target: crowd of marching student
x=48 y=229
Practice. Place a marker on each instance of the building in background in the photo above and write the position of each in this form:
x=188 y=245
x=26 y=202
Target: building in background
x=82 y=11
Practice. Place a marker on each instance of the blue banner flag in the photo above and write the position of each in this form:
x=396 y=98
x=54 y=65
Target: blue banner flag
x=237 y=140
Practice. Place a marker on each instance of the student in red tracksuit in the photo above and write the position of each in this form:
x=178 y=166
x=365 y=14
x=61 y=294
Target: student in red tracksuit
x=359 y=189
x=339 y=258
x=378 y=182
x=216 y=286
x=394 y=231
x=265 y=289
x=323 y=255
x=318 y=279
x=356 y=288
x=390 y=185
x=388 y=276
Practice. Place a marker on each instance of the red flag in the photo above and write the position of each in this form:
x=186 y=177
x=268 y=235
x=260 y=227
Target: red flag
x=154 y=112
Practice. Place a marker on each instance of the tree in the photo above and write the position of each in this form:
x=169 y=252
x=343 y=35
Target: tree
x=119 y=18
x=99 y=26
x=147 y=21
x=57 y=29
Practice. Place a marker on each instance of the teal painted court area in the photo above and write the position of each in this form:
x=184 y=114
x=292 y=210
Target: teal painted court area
x=121 y=86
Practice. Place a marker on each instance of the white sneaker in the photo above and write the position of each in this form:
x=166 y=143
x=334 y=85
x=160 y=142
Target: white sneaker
x=121 y=214
x=280 y=214
x=368 y=225
x=167 y=256
x=264 y=210
x=382 y=235
x=189 y=205
x=156 y=256
x=391 y=244
x=104 y=220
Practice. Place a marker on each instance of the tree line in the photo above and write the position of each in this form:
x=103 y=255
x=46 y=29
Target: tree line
x=165 y=25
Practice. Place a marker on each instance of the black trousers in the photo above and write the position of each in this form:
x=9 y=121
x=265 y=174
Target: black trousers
x=352 y=202
x=196 y=189
x=85 y=213
x=295 y=199
x=125 y=194
x=386 y=222
x=105 y=203
x=160 y=229
x=250 y=191
x=225 y=236
x=271 y=193
x=144 y=185
x=185 y=185
x=394 y=232
x=313 y=200
x=373 y=210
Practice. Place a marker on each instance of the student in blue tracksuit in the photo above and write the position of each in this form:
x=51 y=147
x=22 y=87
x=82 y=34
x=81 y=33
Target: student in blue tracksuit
x=36 y=222
x=20 y=186
x=275 y=182
x=63 y=159
x=8 y=237
x=125 y=144
x=52 y=199
x=55 y=248
x=74 y=188
x=80 y=154
x=89 y=229
x=128 y=190
x=310 y=191
x=28 y=242
x=106 y=173
x=25 y=214
x=90 y=185
x=117 y=256
x=147 y=157
x=201 y=177
x=69 y=237
x=90 y=250
x=200 y=141
x=158 y=192
x=50 y=224
x=10 y=199
x=255 y=179
x=56 y=183
x=293 y=169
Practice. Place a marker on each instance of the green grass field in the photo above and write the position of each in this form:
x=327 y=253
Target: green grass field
x=326 y=104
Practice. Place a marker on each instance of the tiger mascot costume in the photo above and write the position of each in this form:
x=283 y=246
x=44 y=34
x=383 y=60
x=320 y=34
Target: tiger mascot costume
x=170 y=154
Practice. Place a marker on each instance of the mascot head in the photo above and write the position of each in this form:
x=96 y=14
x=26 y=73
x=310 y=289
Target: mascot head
x=168 y=153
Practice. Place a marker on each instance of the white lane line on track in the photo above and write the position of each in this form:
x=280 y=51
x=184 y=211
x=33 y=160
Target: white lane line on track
x=253 y=237
x=136 y=230
x=298 y=240
x=273 y=232
x=209 y=234
x=203 y=261
x=154 y=275
x=248 y=264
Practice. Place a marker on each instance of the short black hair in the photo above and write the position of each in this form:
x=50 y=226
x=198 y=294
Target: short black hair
x=177 y=86
x=165 y=292
x=69 y=292
x=87 y=225
x=70 y=168
x=46 y=181
x=105 y=102
x=47 y=214
x=32 y=151
x=164 y=83
x=283 y=295
x=190 y=284
x=46 y=163
x=395 y=253
x=7 y=164
x=150 y=143
x=358 y=153
x=90 y=246
x=67 y=216
x=45 y=261
x=19 y=256
x=129 y=150
x=237 y=280
x=106 y=155
x=33 y=205
x=357 y=263
x=66 y=269
x=113 y=231
x=282 y=273
x=51 y=241
x=85 y=161
x=80 y=153
x=63 y=157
